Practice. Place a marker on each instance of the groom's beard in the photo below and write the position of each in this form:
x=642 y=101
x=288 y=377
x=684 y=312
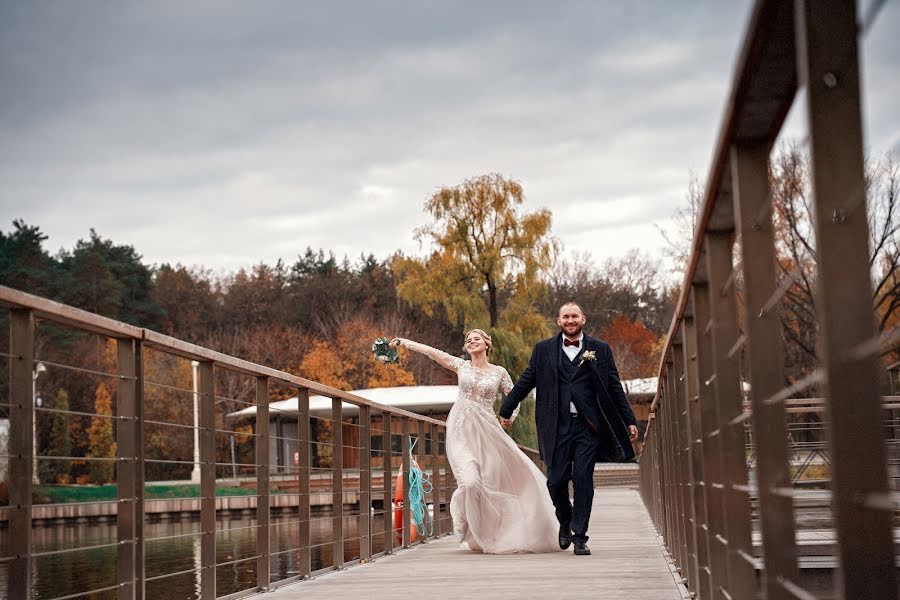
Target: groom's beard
x=574 y=334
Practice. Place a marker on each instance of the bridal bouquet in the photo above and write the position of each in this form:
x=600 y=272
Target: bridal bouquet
x=384 y=353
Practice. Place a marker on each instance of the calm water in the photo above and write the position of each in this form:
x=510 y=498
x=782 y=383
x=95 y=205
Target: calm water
x=87 y=569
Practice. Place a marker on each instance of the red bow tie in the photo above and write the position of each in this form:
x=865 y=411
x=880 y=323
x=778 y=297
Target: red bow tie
x=568 y=342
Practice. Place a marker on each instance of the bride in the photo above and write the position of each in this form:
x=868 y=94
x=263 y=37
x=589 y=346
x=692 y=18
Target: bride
x=501 y=505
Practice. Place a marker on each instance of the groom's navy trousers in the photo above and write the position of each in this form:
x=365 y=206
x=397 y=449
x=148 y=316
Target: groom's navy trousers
x=576 y=448
x=573 y=459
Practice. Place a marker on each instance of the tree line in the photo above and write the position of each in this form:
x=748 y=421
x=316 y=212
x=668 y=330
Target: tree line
x=490 y=265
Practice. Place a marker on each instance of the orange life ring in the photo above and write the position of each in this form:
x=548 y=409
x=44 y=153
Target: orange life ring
x=398 y=513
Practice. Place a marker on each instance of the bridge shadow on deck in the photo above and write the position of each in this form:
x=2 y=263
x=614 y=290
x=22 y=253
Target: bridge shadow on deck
x=627 y=562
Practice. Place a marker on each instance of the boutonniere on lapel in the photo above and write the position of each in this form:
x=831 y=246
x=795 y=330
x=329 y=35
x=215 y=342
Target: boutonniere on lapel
x=588 y=356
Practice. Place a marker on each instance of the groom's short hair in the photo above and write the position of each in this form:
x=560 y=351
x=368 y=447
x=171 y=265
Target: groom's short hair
x=570 y=303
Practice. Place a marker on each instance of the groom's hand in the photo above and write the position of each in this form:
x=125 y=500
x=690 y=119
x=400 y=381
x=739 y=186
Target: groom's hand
x=505 y=423
x=633 y=433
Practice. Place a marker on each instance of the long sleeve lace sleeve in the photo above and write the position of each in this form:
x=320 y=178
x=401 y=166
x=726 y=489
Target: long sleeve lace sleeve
x=440 y=357
x=506 y=385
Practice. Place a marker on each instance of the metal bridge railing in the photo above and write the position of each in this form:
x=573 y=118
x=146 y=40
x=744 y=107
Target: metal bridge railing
x=342 y=472
x=705 y=501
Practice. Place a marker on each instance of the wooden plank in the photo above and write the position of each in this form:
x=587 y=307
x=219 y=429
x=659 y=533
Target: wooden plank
x=828 y=65
x=765 y=366
x=635 y=569
x=21 y=449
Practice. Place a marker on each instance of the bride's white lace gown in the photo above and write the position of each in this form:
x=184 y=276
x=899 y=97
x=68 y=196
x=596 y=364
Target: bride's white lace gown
x=501 y=504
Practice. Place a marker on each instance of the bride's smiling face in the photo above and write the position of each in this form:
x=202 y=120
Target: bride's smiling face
x=475 y=343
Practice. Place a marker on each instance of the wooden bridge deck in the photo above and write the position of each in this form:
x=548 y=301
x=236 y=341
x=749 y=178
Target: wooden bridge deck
x=627 y=562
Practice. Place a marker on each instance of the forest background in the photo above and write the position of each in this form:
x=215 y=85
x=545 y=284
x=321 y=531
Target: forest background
x=486 y=263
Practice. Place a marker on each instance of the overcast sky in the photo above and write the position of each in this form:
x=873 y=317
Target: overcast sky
x=223 y=134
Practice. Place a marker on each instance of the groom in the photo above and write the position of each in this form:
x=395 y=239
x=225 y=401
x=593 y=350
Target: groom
x=581 y=415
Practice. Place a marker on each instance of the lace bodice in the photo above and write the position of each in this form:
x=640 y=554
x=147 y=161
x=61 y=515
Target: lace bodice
x=480 y=386
x=477 y=387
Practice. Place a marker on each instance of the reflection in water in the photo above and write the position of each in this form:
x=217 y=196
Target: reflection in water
x=176 y=549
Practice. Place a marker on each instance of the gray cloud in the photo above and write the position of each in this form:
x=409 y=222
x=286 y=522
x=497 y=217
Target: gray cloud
x=227 y=133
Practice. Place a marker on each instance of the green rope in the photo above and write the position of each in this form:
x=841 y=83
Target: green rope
x=419 y=485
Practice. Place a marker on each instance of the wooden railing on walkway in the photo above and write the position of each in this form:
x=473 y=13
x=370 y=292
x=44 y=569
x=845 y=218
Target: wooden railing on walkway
x=695 y=478
x=131 y=387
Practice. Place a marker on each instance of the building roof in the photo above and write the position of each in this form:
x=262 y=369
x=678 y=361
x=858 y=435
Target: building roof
x=641 y=386
x=420 y=399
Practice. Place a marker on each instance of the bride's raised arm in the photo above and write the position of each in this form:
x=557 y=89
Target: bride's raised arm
x=440 y=357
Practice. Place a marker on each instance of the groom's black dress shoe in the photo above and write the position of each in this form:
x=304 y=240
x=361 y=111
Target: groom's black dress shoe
x=565 y=536
x=581 y=549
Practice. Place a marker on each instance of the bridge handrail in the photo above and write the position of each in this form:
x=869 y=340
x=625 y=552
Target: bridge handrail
x=64 y=314
x=695 y=479
x=376 y=423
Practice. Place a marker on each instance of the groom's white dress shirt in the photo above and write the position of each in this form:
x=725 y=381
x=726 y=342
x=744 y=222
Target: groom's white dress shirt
x=572 y=352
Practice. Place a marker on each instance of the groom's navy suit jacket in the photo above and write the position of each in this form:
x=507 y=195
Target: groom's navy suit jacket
x=594 y=388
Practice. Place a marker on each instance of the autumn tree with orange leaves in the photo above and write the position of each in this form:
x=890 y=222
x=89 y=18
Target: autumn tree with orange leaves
x=345 y=360
x=635 y=347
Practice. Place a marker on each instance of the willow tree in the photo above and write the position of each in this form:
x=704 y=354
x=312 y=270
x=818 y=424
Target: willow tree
x=487 y=263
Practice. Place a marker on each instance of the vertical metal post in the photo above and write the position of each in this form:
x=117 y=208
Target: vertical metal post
x=337 y=483
x=711 y=445
x=682 y=429
x=672 y=467
x=21 y=447
x=435 y=479
x=661 y=452
x=126 y=480
x=674 y=543
x=729 y=404
x=404 y=446
x=422 y=459
x=827 y=48
x=304 y=460
x=387 y=462
x=678 y=457
x=262 y=483
x=207 y=481
x=701 y=585
x=139 y=478
x=365 y=484
x=765 y=366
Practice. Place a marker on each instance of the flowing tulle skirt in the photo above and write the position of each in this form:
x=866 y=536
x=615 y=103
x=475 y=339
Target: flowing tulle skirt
x=501 y=505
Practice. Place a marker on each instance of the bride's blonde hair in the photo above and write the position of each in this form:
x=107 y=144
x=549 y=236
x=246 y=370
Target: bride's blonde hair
x=482 y=333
